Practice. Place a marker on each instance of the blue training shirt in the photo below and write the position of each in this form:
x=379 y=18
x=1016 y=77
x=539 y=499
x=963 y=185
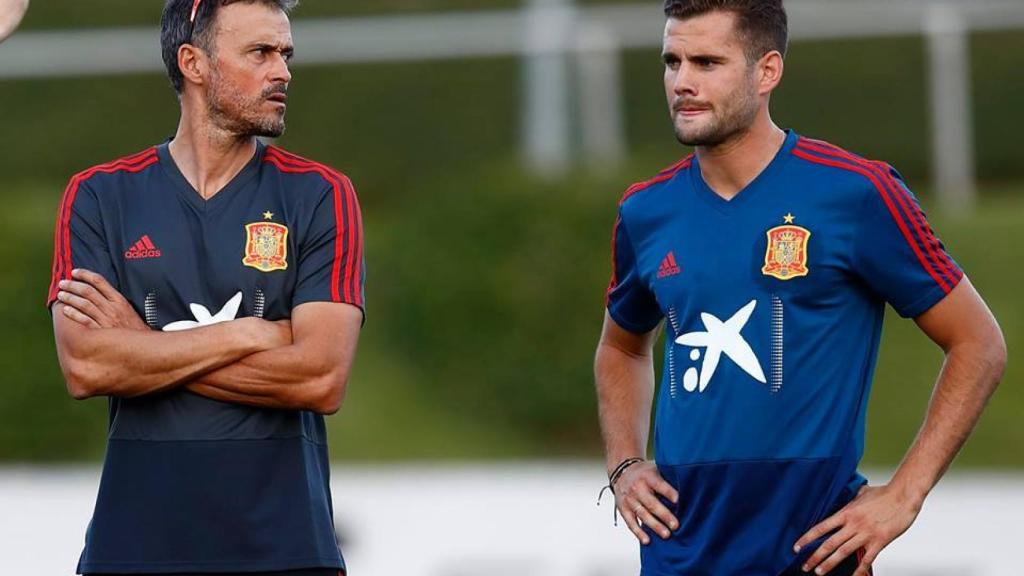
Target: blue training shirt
x=191 y=484
x=773 y=304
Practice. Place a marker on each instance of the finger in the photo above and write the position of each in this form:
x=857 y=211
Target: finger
x=652 y=522
x=97 y=281
x=659 y=511
x=826 y=549
x=824 y=527
x=848 y=548
x=630 y=517
x=79 y=317
x=85 y=291
x=82 y=305
x=665 y=489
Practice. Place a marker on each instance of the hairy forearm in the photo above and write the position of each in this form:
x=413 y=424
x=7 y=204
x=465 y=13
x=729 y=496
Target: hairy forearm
x=625 y=388
x=968 y=378
x=125 y=362
x=295 y=377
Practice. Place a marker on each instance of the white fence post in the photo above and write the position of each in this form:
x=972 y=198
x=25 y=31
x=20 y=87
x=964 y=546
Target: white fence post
x=546 y=119
x=600 y=97
x=952 y=123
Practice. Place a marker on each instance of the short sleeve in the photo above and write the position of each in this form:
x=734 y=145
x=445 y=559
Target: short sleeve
x=630 y=302
x=330 y=256
x=79 y=239
x=897 y=253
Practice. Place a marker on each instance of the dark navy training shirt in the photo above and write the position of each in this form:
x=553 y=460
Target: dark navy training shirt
x=191 y=484
x=773 y=304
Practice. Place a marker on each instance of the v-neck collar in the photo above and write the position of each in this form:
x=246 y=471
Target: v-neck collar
x=191 y=195
x=743 y=196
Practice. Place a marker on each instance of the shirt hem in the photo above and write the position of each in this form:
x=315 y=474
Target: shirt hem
x=630 y=326
x=926 y=302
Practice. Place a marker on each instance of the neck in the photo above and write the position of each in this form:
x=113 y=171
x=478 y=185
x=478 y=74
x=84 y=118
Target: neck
x=208 y=156
x=729 y=167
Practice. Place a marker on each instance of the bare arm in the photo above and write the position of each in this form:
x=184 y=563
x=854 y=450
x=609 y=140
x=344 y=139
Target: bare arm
x=962 y=325
x=11 y=13
x=125 y=362
x=310 y=374
x=299 y=364
x=105 y=349
x=624 y=376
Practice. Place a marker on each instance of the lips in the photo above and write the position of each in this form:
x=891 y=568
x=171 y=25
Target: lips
x=281 y=98
x=690 y=109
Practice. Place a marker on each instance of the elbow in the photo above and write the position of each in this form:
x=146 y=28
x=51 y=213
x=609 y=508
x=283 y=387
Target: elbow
x=81 y=380
x=328 y=394
x=998 y=356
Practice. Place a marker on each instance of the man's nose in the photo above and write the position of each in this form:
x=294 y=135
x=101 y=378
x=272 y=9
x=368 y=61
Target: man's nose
x=280 y=73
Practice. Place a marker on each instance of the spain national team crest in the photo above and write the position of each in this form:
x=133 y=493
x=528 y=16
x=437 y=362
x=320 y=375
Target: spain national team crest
x=786 y=256
x=266 y=246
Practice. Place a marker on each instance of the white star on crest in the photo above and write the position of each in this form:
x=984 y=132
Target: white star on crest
x=724 y=338
x=204 y=318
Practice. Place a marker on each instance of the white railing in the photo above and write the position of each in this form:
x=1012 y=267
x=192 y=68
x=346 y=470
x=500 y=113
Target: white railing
x=557 y=39
x=509 y=519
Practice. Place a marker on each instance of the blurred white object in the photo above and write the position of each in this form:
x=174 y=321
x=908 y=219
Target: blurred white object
x=532 y=519
x=11 y=13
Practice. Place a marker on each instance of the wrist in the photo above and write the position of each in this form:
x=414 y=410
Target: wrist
x=614 y=462
x=252 y=336
x=912 y=488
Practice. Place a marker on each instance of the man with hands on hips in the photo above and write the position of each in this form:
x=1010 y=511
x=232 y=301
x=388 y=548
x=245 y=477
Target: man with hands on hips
x=768 y=259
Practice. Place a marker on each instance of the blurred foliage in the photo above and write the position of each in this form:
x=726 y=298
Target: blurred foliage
x=485 y=285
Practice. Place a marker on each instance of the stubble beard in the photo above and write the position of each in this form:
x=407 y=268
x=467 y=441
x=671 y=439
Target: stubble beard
x=737 y=116
x=232 y=112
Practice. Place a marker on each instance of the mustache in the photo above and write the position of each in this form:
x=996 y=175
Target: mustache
x=281 y=89
x=678 y=105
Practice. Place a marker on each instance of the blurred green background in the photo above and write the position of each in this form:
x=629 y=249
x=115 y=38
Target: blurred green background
x=485 y=284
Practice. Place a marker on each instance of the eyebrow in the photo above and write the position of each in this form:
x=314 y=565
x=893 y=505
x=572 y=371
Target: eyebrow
x=707 y=57
x=283 y=48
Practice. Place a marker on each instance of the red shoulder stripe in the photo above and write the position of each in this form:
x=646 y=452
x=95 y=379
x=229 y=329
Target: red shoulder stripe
x=615 y=272
x=350 y=285
x=353 y=259
x=665 y=174
x=62 y=230
x=846 y=163
x=909 y=208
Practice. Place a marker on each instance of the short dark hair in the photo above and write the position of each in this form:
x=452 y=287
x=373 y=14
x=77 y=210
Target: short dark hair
x=762 y=24
x=176 y=29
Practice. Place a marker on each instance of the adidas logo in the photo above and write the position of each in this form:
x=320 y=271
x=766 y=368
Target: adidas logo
x=144 y=248
x=668 y=266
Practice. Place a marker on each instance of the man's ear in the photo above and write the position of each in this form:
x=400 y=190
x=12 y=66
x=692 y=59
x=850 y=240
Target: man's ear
x=193 y=63
x=770 y=69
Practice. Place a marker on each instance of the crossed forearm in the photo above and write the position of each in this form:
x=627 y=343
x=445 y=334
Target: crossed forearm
x=292 y=377
x=127 y=362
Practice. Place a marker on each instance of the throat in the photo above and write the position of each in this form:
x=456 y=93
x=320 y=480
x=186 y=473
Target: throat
x=728 y=172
